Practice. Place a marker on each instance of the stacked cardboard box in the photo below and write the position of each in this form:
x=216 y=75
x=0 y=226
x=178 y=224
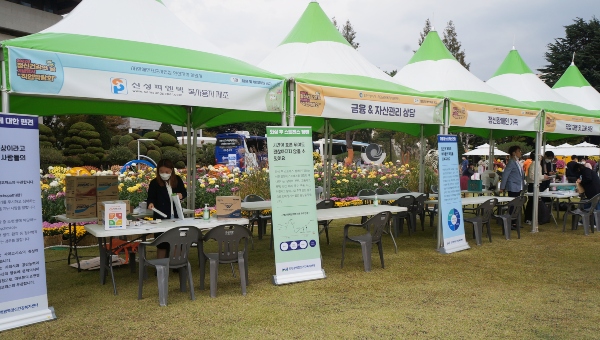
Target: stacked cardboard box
x=83 y=193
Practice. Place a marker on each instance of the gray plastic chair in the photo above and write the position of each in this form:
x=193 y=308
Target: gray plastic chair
x=399 y=217
x=366 y=192
x=324 y=225
x=402 y=190
x=588 y=216
x=418 y=209
x=516 y=206
x=180 y=240
x=375 y=227
x=257 y=217
x=381 y=191
x=484 y=215
x=228 y=238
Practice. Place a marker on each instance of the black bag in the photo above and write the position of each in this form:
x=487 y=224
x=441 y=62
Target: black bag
x=543 y=213
x=563 y=206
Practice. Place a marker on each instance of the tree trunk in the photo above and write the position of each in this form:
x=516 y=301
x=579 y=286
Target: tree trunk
x=349 y=140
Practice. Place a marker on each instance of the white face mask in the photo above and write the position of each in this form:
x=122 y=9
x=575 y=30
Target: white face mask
x=165 y=177
x=548 y=160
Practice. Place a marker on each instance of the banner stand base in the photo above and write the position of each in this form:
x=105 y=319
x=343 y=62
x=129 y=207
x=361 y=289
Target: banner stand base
x=449 y=250
x=27 y=319
x=292 y=278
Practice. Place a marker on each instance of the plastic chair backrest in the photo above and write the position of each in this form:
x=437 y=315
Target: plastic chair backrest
x=382 y=191
x=180 y=240
x=326 y=204
x=253 y=198
x=376 y=225
x=402 y=190
x=487 y=208
x=517 y=204
x=405 y=201
x=594 y=201
x=228 y=237
x=366 y=192
x=420 y=201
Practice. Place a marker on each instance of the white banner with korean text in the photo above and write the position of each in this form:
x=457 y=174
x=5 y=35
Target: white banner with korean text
x=23 y=294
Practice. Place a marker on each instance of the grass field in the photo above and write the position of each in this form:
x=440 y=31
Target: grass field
x=542 y=286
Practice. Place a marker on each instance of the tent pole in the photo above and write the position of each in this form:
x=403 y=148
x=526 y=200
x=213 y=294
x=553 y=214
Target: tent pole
x=422 y=161
x=194 y=155
x=3 y=88
x=325 y=158
x=536 y=178
x=330 y=156
x=292 y=85
x=189 y=177
x=492 y=147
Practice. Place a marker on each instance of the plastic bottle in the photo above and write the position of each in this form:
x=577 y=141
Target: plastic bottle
x=206 y=212
x=375 y=201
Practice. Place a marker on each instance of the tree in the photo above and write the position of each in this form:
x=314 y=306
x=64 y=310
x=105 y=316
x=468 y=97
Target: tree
x=426 y=31
x=167 y=128
x=581 y=38
x=391 y=73
x=453 y=45
x=99 y=123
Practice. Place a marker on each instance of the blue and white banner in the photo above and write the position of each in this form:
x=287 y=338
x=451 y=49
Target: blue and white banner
x=294 y=209
x=23 y=296
x=61 y=74
x=451 y=225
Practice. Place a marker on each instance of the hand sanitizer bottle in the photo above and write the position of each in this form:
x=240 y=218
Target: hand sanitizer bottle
x=206 y=212
x=375 y=201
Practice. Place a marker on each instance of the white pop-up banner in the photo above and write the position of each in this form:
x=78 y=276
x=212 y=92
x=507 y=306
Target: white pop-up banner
x=23 y=294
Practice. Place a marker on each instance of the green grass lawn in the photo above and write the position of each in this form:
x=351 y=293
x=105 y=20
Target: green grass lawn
x=544 y=285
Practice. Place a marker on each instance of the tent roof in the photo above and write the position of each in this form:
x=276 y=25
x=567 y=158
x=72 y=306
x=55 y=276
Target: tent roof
x=143 y=31
x=314 y=52
x=573 y=86
x=435 y=71
x=516 y=80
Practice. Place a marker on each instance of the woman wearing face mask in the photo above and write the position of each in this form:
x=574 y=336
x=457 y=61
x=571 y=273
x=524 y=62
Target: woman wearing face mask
x=161 y=188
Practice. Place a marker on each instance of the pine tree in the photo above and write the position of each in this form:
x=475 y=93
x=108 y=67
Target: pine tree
x=391 y=73
x=453 y=45
x=167 y=128
x=583 y=38
x=426 y=31
x=349 y=33
x=99 y=123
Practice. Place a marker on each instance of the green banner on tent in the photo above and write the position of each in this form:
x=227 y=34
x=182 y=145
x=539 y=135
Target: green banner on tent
x=294 y=212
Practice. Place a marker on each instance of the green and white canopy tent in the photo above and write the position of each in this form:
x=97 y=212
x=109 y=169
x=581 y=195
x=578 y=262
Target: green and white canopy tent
x=474 y=106
x=562 y=117
x=516 y=80
x=134 y=58
x=335 y=82
x=337 y=89
x=573 y=86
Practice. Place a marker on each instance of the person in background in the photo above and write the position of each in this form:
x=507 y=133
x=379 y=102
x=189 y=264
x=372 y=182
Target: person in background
x=161 y=188
x=530 y=178
x=513 y=179
x=464 y=164
x=590 y=182
x=466 y=176
x=548 y=169
x=590 y=161
x=570 y=170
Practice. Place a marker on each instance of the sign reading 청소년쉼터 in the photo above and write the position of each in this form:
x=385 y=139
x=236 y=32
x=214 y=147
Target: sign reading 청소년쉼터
x=61 y=74
x=23 y=295
x=294 y=212
x=451 y=225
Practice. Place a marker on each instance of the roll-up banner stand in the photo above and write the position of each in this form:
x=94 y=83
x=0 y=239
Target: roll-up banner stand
x=294 y=211
x=23 y=293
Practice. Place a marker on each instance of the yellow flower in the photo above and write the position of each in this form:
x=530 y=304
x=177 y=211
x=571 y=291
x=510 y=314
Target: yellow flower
x=338 y=181
x=202 y=185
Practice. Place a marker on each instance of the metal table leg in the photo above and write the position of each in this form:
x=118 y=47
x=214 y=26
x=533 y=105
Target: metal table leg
x=73 y=245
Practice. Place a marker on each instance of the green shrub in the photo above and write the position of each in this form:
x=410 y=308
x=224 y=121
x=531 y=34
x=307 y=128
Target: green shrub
x=124 y=140
x=44 y=130
x=50 y=156
x=155 y=155
x=88 y=134
x=180 y=165
x=43 y=138
x=45 y=145
x=73 y=132
x=96 y=142
x=133 y=146
x=114 y=140
x=134 y=135
x=75 y=146
x=205 y=155
x=80 y=141
x=157 y=143
x=89 y=159
x=67 y=140
x=172 y=155
x=167 y=140
x=152 y=134
x=119 y=155
x=93 y=149
x=73 y=161
x=73 y=152
x=83 y=126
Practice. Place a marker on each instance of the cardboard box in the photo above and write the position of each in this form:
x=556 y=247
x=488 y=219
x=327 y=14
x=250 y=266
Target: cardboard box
x=81 y=207
x=99 y=206
x=107 y=186
x=229 y=207
x=102 y=209
x=80 y=186
x=113 y=214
